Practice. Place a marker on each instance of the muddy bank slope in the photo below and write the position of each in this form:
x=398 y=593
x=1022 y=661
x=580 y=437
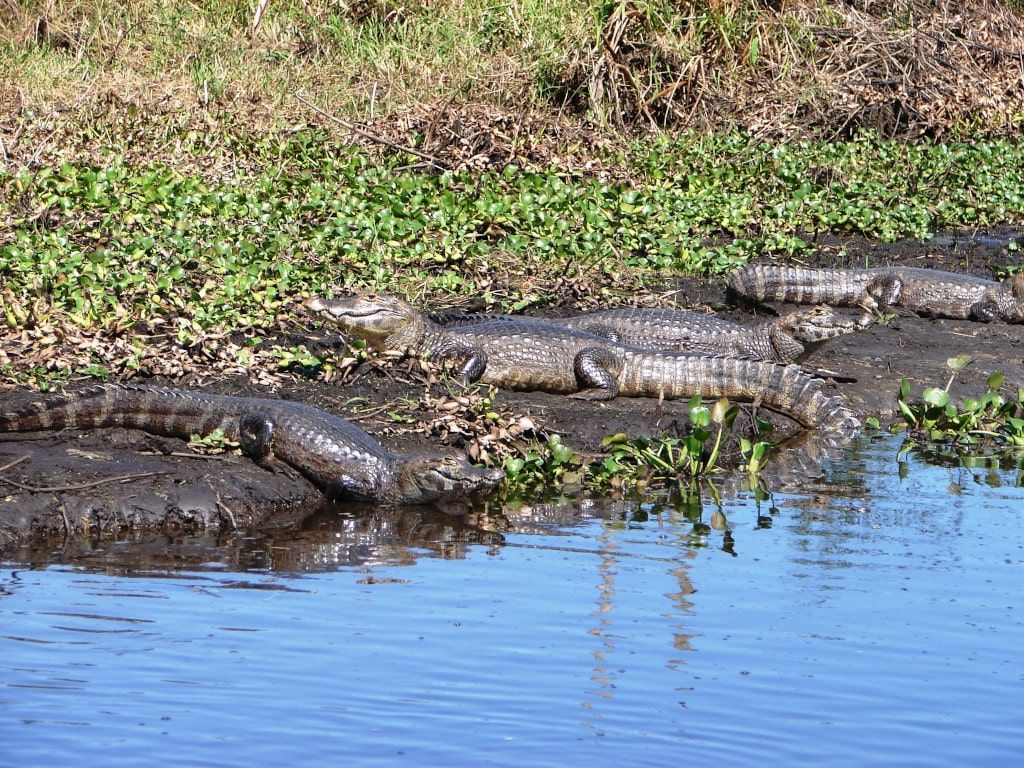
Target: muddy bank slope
x=186 y=492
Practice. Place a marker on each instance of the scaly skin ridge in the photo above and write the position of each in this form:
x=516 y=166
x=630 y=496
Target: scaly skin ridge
x=781 y=340
x=924 y=291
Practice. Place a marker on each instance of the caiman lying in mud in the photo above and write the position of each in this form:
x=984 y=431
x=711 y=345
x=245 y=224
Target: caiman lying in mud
x=336 y=455
x=553 y=359
x=785 y=339
x=924 y=291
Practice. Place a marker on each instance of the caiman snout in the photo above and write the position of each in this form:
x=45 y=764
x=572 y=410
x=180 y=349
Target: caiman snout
x=338 y=307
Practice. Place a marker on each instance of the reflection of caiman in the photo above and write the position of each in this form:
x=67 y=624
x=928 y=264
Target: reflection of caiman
x=925 y=291
x=339 y=457
x=545 y=357
x=782 y=339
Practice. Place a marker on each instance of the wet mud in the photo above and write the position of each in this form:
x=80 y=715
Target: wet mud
x=227 y=495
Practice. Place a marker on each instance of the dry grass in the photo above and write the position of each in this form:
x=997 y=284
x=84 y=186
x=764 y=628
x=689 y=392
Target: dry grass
x=490 y=82
x=807 y=68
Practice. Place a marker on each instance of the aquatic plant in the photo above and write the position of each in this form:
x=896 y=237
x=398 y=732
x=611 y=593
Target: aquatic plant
x=987 y=420
x=640 y=462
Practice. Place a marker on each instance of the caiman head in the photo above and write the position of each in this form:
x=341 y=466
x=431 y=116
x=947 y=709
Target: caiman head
x=810 y=327
x=817 y=324
x=382 y=320
x=422 y=479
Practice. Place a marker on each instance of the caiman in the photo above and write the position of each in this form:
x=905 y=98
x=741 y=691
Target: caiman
x=340 y=458
x=554 y=359
x=785 y=339
x=924 y=291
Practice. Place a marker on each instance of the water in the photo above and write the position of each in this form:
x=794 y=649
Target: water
x=867 y=620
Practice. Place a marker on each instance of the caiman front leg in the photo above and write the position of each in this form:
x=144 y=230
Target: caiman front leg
x=984 y=311
x=595 y=372
x=256 y=439
x=881 y=294
x=469 y=361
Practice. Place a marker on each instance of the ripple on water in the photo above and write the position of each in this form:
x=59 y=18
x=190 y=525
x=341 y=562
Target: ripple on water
x=875 y=622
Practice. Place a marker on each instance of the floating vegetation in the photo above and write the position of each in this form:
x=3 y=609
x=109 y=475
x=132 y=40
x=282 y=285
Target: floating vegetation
x=977 y=432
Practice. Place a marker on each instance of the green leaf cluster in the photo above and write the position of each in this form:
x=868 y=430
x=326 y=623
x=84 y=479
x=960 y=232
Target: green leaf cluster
x=986 y=420
x=121 y=243
x=639 y=461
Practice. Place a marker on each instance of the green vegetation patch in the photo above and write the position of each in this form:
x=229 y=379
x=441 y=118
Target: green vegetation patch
x=629 y=463
x=982 y=429
x=115 y=245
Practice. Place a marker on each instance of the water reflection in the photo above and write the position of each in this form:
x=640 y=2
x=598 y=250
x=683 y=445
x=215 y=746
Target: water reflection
x=829 y=622
x=830 y=482
x=350 y=536
x=1003 y=467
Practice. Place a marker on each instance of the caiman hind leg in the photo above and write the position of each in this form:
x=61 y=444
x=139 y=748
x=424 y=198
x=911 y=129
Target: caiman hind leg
x=595 y=369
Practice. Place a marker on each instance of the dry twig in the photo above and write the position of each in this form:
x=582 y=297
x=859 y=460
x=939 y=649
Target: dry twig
x=79 y=486
x=375 y=137
x=14 y=463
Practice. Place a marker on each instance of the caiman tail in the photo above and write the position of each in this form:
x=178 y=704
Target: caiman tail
x=785 y=388
x=154 y=409
x=768 y=282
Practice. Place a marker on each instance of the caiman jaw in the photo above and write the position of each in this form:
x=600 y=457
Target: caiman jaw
x=339 y=308
x=374 y=317
x=426 y=479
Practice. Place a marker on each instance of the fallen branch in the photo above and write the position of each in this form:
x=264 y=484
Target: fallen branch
x=187 y=455
x=14 y=463
x=374 y=137
x=64 y=514
x=77 y=486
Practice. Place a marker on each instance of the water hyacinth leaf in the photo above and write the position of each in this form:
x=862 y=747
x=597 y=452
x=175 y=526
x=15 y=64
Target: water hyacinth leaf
x=908 y=415
x=514 y=465
x=995 y=381
x=617 y=439
x=700 y=416
x=935 y=396
x=560 y=453
x=959 y=363
x=904 y=389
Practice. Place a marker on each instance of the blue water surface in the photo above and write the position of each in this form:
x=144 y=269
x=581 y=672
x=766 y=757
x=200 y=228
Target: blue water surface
x=866 y=620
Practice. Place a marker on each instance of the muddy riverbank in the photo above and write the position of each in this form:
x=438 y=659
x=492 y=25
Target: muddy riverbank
x=185 y=492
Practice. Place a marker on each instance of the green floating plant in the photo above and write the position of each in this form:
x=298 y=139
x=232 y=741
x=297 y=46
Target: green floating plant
x=988 y=419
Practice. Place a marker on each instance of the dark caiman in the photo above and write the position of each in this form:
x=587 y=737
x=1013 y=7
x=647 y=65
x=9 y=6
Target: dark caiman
x=336 y=455
x=925 y=291
x=785 y=339
x=553 y=359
